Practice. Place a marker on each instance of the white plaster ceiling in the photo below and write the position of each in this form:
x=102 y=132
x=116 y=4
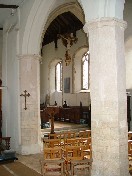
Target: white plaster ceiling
x=6 y=12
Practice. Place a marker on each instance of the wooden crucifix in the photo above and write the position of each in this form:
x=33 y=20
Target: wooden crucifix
x=51 y=111
x=25 y=95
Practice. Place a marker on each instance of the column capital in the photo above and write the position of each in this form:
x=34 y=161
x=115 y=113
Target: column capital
x=106 y=21
x=30 y=56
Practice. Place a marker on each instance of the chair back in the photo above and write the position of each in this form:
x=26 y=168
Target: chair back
x=52 y=143
x=73 y=153
x=53 y=153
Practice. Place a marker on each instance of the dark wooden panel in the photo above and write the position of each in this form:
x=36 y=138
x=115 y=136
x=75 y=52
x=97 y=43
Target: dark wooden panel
x=128 y=110
x=74 y=114
x=9 y=6
x=0 y=109
x=44 y=116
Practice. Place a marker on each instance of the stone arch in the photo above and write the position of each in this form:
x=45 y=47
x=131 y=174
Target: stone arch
x=38 y=27
x=34 y=26
x=80 y=48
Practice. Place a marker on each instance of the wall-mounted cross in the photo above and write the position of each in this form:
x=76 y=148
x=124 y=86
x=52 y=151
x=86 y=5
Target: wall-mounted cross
x=25 y=95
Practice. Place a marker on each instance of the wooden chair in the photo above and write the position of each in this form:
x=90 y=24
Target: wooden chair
x=55 y=136
x=130 y=155
x=52 y=136
x=85 y=134
x=51 y=167
x=87 y=151
x=72 y=153
x=130 y=135
x=65 y=136
x=88 y=133
x=81 y=167
x=86 y=147
x=74 y=142
x=52 y=164
x=129 y=147
x=86 y=140
x=82 y=134
x=70 y=142
x=52 y=143
x=53 y=153
x=69 y=135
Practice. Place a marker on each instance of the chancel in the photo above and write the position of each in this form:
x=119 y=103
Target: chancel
x=68 y=40
x=66 y=67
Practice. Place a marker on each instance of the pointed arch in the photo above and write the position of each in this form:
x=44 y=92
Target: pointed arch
x=39 y=20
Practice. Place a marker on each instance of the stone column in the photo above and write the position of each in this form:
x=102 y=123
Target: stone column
x=108 y=97
x=30 y=118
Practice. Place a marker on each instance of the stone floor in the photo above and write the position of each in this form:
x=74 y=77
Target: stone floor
x=33 y=161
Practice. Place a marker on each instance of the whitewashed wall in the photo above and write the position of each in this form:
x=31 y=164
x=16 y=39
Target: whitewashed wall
x=10 y=78
x=128 y=47
x=128 y=43
x=51 y=54
x=13 y=30
x=24 y=14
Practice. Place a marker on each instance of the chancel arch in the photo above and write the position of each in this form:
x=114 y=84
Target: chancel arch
x=40 y=26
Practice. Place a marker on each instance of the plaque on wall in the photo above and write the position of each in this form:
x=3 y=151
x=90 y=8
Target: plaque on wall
x=66 y=85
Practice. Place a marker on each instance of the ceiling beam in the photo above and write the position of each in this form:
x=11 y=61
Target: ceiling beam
x=62 y=24
x=9 y=6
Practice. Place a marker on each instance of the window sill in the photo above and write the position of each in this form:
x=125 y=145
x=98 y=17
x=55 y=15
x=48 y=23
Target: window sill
x=85 y=91
x=59 y=91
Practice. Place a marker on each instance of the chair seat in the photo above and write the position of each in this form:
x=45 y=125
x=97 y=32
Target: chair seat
x=52 y=167
x=81 y=167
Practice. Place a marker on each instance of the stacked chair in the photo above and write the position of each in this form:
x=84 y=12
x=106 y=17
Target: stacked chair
x=52 y=164
x=67 y=153
x=130 y=150
x=74 y=151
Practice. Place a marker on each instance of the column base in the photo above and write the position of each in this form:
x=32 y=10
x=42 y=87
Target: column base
x=30 y=149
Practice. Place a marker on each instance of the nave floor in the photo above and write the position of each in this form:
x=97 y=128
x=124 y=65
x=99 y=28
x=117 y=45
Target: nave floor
x=32 y=161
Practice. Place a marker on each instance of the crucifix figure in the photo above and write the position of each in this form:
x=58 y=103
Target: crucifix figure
x=51 y=111
x=25 y=95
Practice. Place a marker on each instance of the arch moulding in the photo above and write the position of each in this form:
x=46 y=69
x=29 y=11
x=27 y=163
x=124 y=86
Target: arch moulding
x=72 y=7
x=32 y=39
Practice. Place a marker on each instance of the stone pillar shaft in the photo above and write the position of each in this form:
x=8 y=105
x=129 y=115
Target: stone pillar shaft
x=108 y=97
x=30 y=118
